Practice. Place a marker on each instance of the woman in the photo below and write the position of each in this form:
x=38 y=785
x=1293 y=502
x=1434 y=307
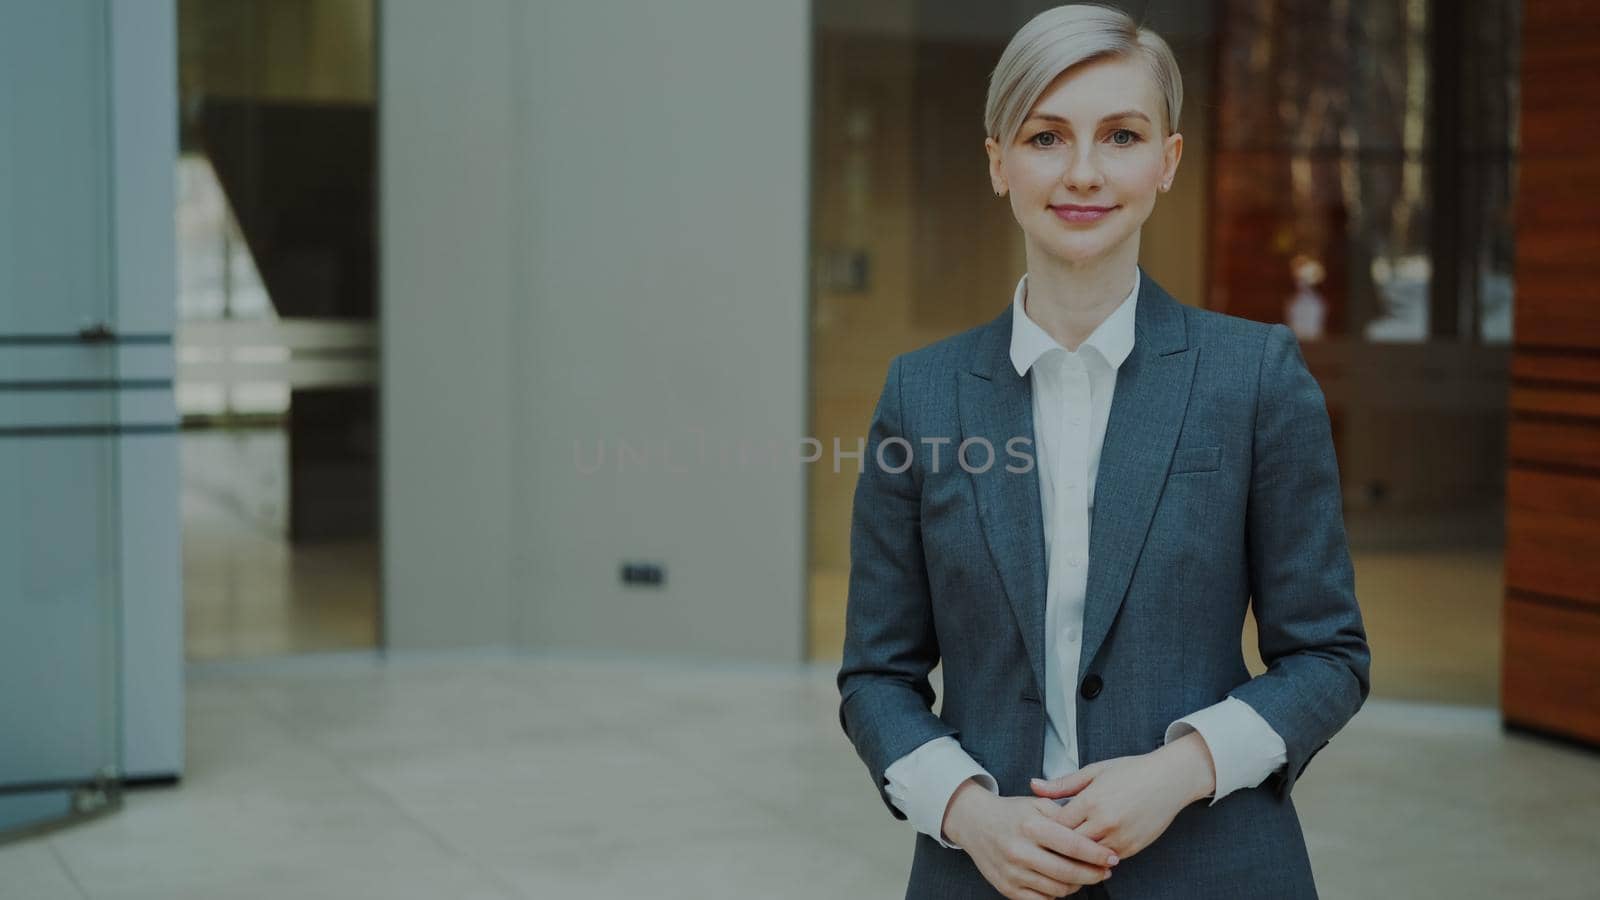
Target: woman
x=1098 y=718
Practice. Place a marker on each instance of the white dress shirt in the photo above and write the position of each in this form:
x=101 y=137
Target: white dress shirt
x=1071 y=405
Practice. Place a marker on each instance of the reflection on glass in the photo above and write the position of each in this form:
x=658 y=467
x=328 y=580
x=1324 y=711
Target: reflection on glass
x=1322 y=127
x=1489 y=235
x=1402 y=288
x=1327 y=122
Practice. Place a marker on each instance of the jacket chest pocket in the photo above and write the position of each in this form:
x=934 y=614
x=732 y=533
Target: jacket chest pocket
x=1190 y=515
x=1196 y=459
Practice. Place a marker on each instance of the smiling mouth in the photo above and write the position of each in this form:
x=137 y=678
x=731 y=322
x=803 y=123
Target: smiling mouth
x=1073 y=213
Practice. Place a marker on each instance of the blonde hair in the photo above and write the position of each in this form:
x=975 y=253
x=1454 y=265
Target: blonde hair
x=1058 y=39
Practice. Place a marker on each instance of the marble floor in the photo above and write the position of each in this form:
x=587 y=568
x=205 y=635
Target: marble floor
x=518 y=776
x=247 y=590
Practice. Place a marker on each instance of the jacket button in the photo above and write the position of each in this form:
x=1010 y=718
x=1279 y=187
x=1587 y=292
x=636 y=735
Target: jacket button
x=1091 y=687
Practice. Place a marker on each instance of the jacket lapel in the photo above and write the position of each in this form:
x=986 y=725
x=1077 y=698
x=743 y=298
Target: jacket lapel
x=1147 y=410
x=996 y=404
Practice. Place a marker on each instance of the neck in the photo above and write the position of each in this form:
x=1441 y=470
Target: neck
x=1069 y=299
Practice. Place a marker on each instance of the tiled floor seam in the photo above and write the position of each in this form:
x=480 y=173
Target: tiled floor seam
x=492 y=876
x=71 y=876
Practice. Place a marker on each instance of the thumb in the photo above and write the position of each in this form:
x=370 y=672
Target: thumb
x=1066 y=785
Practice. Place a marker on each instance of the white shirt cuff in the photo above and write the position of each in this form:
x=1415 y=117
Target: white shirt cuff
x=922 y=782
x=1244 y=748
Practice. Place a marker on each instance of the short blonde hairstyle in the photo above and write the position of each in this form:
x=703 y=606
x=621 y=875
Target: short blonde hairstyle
x=1058 y=39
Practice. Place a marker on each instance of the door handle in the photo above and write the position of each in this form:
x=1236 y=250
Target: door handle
x=96 y=333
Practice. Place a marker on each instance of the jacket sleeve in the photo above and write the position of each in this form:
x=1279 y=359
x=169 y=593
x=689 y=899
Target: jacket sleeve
x=1302 y=584
x=885 y=698
x=1244 y=748
x=922 y=782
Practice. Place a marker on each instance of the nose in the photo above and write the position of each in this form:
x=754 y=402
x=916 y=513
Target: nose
x=1083 y=172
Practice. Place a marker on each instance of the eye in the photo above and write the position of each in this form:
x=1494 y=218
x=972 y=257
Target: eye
x=1045 y=139
x=1132 y=137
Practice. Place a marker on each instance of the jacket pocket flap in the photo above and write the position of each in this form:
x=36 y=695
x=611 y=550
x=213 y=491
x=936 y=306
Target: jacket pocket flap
x=1197 y=459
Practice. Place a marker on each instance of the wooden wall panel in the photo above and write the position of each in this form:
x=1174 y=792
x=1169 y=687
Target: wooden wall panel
x=1552 y=610
x=1559 y=77
x=1550 y=665
x=1559 y=444
x=1552 y=542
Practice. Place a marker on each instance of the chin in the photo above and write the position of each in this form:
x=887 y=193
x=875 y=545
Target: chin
x=1078 y=252
x=1081 y=247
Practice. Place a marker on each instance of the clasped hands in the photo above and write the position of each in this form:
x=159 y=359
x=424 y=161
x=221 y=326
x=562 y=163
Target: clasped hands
x=1030 y=848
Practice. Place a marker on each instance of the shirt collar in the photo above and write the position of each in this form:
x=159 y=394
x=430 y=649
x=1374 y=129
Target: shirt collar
x=1112 y=339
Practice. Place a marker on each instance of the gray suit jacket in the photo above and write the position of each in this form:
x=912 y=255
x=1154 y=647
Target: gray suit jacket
x=1217 y=489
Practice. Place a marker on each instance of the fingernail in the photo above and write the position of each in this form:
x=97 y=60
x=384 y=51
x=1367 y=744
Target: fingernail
x=1113 y=860
x=1037 y=780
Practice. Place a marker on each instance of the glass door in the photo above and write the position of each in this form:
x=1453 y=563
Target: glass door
x=60 y=721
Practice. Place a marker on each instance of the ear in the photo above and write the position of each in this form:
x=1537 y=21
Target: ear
x=1170 y=154
x=997 y=170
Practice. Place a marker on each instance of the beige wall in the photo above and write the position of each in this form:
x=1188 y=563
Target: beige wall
x=595 y=229
x=448 y=287
x=664 y=201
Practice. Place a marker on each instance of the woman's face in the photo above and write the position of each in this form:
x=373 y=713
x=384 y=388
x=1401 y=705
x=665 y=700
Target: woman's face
x=1084 y=170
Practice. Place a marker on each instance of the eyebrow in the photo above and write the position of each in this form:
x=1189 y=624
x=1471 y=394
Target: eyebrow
x=1125 y=114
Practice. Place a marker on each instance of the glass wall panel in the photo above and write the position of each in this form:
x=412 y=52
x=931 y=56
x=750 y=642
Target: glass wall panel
x=60 y=753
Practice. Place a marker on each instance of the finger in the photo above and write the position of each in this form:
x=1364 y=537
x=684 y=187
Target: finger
x=1074 y=845
x=1096 y=832
x=1023 y=893
x=1065 y=786
x=1062 y=870
x=1044 y=884
x=1073 y=815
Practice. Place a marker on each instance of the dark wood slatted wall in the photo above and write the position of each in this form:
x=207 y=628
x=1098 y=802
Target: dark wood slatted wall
x=1552 y=611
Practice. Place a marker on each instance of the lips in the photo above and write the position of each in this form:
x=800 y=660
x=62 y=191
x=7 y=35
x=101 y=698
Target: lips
x=1074 y=213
